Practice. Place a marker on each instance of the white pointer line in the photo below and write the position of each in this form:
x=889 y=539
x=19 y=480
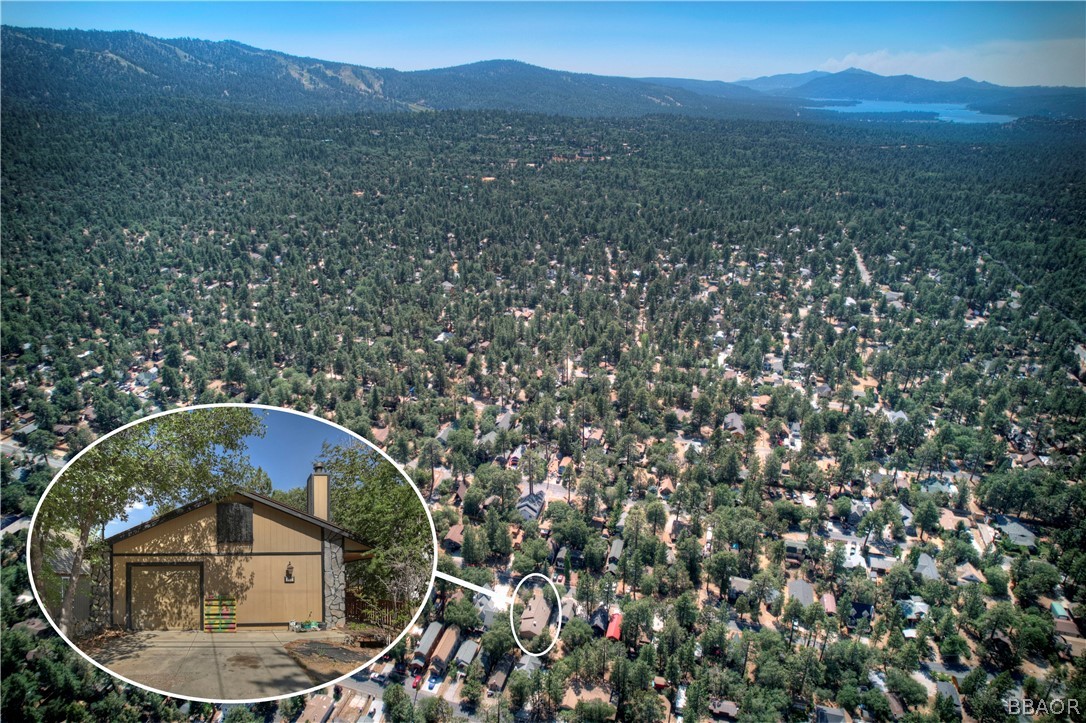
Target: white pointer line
x=464 y=583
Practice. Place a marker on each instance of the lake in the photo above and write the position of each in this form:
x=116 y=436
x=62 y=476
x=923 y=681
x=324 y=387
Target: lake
x=952 y=112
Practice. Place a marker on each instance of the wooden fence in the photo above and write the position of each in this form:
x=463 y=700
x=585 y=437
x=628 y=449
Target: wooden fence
x=368 y=611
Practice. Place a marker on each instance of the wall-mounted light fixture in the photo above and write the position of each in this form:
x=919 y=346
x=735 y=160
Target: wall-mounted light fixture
x=289 y=577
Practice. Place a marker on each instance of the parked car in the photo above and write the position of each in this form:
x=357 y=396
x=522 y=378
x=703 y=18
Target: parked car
x=432 y=682
x=418 y=679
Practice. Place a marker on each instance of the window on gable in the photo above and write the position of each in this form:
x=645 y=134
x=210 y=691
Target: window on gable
x=234 y=523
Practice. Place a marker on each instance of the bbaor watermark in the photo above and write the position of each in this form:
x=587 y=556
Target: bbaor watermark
x=1029 y=707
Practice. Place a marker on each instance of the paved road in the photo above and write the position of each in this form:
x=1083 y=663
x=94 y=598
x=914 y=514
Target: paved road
x=14 y=448
x=366 y=686
x=865 y=275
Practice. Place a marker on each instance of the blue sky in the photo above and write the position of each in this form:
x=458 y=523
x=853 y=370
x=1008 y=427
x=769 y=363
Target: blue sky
x=1001 y=42
x=287 y=450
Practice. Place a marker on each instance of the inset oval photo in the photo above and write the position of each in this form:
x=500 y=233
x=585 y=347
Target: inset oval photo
x=232 y=553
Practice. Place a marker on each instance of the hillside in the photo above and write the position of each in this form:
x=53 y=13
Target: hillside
x=74 y=69
x=106 y=70
x=782 y=81
x=515 y=86
x=112 y=71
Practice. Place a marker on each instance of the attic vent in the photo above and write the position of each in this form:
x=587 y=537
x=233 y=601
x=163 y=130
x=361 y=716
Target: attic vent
x=234 y=523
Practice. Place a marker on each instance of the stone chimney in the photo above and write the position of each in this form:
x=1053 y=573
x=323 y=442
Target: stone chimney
x=316 y=493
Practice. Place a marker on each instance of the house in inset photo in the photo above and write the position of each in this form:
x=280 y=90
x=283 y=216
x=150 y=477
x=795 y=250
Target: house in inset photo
x=246 y=561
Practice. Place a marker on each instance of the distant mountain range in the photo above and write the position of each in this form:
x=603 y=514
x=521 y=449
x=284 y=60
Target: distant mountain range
x=112 y=71
x=784 y=81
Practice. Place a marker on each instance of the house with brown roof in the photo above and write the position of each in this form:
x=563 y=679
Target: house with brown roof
x=454 y=538
x=536 y=617
x=443 y=653
x=666 y=488
x=496 y=684
x=968 y=574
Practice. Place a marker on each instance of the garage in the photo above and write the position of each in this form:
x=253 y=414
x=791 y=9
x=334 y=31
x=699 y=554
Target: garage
x=165 y=596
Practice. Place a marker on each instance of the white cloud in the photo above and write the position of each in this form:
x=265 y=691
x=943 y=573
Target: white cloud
x=1005 y=62
x=134 y=507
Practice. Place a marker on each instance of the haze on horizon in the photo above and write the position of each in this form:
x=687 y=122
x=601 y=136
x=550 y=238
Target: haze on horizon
x=1035 y=43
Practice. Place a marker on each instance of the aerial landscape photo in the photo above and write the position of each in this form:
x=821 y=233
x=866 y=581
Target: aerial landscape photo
x=736 y=352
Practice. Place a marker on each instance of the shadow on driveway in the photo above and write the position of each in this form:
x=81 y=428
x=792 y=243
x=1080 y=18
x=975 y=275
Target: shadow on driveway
x=217 y=666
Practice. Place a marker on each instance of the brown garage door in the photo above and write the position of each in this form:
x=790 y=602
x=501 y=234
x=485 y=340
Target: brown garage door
x=165 y=597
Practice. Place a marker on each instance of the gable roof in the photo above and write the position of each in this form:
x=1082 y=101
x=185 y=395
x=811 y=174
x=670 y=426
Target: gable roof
x=268 y=501
x=914 y=608
x=802 y=591
x=925 y=567
x=536 y=614
x=467 y=652
x=428 y=640
x=825 y=714
x=530 y=506
x=614 y=628
x=600 y=619
x=1019 y=533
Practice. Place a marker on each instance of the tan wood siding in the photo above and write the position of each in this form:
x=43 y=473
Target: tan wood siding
x=257 y=581
x=275 y=531
x=270 y=600
x=193 y=532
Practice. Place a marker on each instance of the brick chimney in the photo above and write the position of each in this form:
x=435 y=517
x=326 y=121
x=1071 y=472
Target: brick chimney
x=316 y=493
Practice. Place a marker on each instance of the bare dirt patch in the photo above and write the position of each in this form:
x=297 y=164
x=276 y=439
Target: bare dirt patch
x=323 y=660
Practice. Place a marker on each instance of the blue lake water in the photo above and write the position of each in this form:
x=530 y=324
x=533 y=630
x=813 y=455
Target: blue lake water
x=952 y=112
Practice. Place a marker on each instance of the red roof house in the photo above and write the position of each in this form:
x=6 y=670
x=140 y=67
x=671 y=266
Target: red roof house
x=615 y=627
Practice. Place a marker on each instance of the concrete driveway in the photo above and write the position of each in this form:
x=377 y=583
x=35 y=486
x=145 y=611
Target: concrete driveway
x=218 y=666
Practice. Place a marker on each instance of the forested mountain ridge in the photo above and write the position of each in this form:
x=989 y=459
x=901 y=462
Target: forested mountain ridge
x=516 y=86
x=96 y=70
x=780 y=81
x=113 y=71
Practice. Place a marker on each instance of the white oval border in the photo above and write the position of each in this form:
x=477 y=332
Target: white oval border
x=513 y=602
x=168 y=694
